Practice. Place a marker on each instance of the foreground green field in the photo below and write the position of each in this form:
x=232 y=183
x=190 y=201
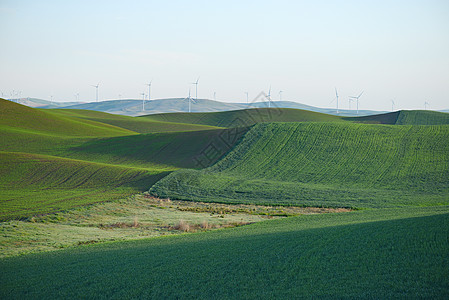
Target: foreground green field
x=36 y=184
x=324 y=164
x=393 y=253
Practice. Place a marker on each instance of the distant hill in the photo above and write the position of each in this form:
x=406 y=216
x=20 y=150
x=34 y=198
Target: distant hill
x=133 y=107
x=35 y=102
x=245 y=117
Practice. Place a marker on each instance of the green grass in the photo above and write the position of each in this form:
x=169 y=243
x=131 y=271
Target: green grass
x=422 y=117
x=395 y=253
x=140 y=125
x=34 y=184
x=110 y=162
x=26 y=119
x=196 y=149
x=245 y=117
x=405 y=117
x=324 y=164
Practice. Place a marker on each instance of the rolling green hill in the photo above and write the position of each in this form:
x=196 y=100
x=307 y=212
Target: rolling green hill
x=381 y=254
x=324 y=164
x=27 y=119
x=245 y=117
x=33 y=184
x=140 y=125
x=405 y=117
x=77 y=149
x=422 y=117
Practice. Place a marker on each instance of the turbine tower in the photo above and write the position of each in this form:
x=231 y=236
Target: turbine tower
x=336 y=96
x=196 y=88
x=190 y=101
x=350 y=100
x=149 y=93
x=149 y=90
x=269 y=97
x=392 y=105
x=426 y=104
x=357 y=100
x=143 y=101
x=280 y=95
x=215 y=96
x=96 y=87
x=246 y=97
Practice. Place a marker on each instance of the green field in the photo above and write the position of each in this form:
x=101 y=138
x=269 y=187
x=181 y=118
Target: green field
x=395 y=253
x=35 y=184
x=55 y=160
x=57 y=165
x=324 y=164
x=243 y=118
x=140 y=125
x=405 y=117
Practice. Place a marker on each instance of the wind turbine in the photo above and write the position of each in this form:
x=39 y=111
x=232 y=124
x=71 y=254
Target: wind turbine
x=425 y=105
x=280 y=95
x=269 y=97
x=357 y=100
x=96 y=86
x=196 y=88
x=190 y=101
x=77 y=96
x=246 y=97
x=336 y=97
x=149 y=90
x=350 y=100
x=149 y=93
x=143 y=101
x=215 y=96
x=392 y=105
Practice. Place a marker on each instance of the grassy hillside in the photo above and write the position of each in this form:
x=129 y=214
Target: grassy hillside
x=27 y=119
x=245 y=117
x=422 y=117
x=367 y=254
x=46 y=154
x=324 y=164
x=33 y=184
x=139 y=125
x=405 y=117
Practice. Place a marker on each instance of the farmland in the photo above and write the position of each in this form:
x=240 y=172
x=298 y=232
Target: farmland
x=106 y=195
x=53 y=161
x=386 y=253
x=324 y=164
x=243 y=118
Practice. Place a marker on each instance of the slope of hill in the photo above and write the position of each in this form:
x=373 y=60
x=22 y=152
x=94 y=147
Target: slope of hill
x=382 y=254
x=324 y=164
x=29 y=133
x=422 y=117
x=405 y=117
x=20 y=117
x=33 y=184
x=35 y=102
x=139 y=125
x=245 y=117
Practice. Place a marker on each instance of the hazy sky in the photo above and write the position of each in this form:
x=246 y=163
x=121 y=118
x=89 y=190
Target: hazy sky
x=390 y=49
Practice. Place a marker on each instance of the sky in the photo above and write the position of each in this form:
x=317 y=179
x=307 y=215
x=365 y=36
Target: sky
x=390 y=50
